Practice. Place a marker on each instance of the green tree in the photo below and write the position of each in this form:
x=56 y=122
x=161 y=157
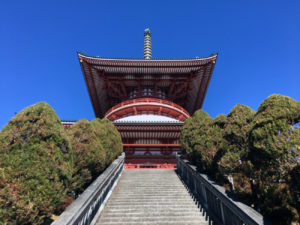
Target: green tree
x=96 y=144
x=89 y=154
x=274 y=150
x=36 y=166
x=194 y=138
x=234 y=163
x=109 y=137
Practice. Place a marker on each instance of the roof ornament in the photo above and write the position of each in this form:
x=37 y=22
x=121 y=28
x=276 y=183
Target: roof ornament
x=147 y=44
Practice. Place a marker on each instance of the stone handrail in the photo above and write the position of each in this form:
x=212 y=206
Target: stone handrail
x=83 y=210
x=214 y=198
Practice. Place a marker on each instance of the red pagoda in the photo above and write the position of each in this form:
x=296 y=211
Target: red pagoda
x=173 y=88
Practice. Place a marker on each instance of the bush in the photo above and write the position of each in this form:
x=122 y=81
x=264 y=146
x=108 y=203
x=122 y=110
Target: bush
x=274 y=151
x=259 y=151
x=235 y=132
x=96 y=144
x=42 y=164
x=202 y=140
x=36 y=166
x=89 y=154
x=109 y=137
x=271 y=129
x=194 y=137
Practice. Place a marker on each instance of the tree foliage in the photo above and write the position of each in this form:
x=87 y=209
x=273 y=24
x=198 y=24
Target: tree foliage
x=36 y=165
x=42 y=164
x=96 y=144
x=235 y=132
x=259 y=150
x=275 y=151
x=89 y=154
x=193 y=136
x=109 y=137
x=271 y=131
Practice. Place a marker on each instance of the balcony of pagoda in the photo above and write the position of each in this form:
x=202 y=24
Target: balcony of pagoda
x=147 y=106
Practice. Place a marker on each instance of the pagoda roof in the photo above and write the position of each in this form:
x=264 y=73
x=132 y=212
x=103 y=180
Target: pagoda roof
x=213 y=55
x=110 y=79
x=156 y=66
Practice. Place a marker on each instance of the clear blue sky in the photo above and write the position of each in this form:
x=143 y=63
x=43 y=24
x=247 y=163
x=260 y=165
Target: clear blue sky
x=258 y=44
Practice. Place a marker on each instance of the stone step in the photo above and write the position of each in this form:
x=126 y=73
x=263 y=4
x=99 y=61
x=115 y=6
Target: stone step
x=156 y=188
x=151 y=210
x=154 y=220
x=154 y=201
x=149 y=188
x=149 y=214
x=147 y=197
x=153 y=194
x=158 y=192
x=178 y=222
x=141 y=193
x=143 y=204
x=150 y=206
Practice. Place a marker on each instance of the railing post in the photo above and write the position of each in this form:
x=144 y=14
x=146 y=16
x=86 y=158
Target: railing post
x=204 y=196
x=195 y=185
x=187 y=176
x=222 y=213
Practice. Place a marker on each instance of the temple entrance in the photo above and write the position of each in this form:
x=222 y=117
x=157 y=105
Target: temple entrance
x=150 y=144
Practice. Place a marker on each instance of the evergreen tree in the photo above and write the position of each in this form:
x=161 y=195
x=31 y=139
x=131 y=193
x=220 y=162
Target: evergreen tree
x=89 y=154
x=36 y=166
x=275 y=152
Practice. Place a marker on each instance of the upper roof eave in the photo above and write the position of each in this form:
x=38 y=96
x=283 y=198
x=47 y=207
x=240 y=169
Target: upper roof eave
x=213 y=56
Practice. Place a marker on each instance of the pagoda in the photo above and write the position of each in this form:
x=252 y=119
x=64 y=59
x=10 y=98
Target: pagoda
x=173 y=88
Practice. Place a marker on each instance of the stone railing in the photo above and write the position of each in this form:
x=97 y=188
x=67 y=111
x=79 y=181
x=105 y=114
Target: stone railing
x=83 y=210
x=214 y=198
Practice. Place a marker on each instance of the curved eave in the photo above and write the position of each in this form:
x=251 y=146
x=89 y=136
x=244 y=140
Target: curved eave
x=158 y=66
x=214 y=56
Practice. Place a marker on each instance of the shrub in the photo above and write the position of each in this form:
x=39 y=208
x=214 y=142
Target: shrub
x=109 y=137
x=234 y=163
x=89 y=154
x=96 y=144
x=236 y=130
x=36 y=166
x=261 y=151
x=274 y=148
x=271 y=129
x=194 y=137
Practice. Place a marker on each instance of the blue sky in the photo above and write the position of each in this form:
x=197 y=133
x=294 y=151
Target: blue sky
x=258 y=44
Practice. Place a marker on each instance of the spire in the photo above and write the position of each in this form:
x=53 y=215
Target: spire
x=147 y=44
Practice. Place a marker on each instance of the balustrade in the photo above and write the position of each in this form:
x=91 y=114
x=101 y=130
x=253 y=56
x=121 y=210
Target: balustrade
x=215 y=199
x=83 y=210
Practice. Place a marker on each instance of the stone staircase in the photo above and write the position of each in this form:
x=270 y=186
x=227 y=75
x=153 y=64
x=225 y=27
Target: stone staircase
x=151 y=197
